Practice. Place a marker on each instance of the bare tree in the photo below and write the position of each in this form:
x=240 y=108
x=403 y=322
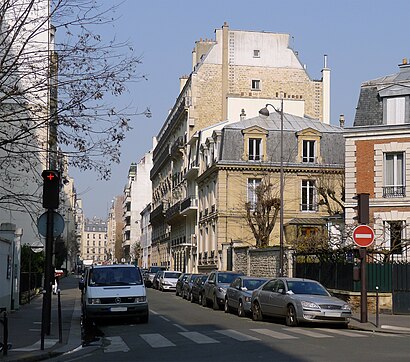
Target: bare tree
x=61 y=85
x=262 y=212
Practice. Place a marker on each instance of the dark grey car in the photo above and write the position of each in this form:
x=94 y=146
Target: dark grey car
x=298 y=300
x=197 y=290
x=239 y=294
x=215 y=288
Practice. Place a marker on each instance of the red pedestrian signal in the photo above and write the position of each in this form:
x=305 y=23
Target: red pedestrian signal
x=51 y=189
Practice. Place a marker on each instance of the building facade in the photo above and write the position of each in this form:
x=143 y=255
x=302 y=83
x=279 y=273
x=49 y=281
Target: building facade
x=94 y=241
x=235 y=74
x=378 y=160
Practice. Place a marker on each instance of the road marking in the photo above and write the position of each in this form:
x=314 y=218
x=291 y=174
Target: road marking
x=277 y=335
x=180 y=327
x=164 y=318
x=307 y=332
x=342 y=333
x=155 y=340
x=117 y=344
x=152 y=311
x=237 y=335
x=198 y=337
x=48 y=343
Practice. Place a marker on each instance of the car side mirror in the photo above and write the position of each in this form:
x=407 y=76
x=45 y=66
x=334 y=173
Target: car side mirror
x=211 y=282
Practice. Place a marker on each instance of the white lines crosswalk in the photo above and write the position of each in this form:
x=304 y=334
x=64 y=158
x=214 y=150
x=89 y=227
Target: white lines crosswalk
x=158 y=340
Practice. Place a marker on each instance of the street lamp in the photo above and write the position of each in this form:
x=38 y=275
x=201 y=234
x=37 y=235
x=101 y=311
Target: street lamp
x=265 y=113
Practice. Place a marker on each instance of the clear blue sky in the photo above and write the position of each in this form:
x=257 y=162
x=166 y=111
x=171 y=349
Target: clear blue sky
x=363 y=40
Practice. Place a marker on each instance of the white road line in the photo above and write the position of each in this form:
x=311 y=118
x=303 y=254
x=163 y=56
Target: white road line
x=164 y=318
x=237 y=335
x=198 y=337
x=277 y=335
x=152 y=311
x=180 y=327
x=342 y=332
x=307 y=332
x=48 y=343
x=155 y=340
x=117 y=344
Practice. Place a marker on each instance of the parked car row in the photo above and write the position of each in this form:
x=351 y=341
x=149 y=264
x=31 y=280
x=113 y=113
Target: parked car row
x=164 y=280
x=295 y=300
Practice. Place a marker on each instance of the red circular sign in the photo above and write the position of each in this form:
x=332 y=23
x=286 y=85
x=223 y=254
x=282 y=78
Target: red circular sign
x=363 y=236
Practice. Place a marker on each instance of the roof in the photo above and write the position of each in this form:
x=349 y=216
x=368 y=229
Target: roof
x=306 y=221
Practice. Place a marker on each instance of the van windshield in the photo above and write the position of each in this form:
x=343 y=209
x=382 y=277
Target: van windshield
x=114 y=276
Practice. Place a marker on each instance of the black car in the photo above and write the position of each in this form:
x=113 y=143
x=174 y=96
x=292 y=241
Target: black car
x=180 y=283
x=197 y=290
x=187 y=286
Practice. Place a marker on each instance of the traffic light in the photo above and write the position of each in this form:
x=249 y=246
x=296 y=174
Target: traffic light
x=51 y=189
x=362 y=208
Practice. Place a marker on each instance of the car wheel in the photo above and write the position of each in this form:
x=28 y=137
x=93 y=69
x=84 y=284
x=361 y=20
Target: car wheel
x=176 y=293
x=203 y=300
x=256 y=312
x=144 y=318
x=227 y=308
x=190 y=297
x=241 y=310
x=215 y=304
x=291 y=319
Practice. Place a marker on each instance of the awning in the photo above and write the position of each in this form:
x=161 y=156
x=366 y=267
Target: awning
x=308 y=221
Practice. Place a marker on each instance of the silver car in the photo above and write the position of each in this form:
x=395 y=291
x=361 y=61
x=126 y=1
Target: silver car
x=298 y=300
x=239 y=294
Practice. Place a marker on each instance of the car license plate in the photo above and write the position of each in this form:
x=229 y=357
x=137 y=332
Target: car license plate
x=118 y=309
x=333 y=314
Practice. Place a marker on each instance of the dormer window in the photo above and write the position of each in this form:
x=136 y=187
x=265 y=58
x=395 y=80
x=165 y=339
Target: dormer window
x=308 y=151
x=255 y=149
x=395 y=110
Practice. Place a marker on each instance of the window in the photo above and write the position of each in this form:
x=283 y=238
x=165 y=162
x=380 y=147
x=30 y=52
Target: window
x=395 y=231
x=308 y=151
x=308 y=195
x=255 y=150
x=395 y=110
x=256 y=53
x=253 y=183
x=256 y=84
x=394 y=175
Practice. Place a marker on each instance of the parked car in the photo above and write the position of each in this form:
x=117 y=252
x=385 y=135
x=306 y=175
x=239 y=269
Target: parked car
x=215 y=288
x=239 y=294
x=113 y=291
x=150 y=274
x=197 y=290
x=180 y=283
x=187 y=286
x=168 y=280
x=155 y=281
x=298 y=300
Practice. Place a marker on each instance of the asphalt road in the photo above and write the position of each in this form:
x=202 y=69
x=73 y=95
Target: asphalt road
x=182 y=331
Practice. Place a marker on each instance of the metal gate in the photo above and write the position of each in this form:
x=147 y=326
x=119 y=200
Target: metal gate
x=401 y=288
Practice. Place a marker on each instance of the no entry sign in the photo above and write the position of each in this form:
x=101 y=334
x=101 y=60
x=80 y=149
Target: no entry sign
x=363 y=236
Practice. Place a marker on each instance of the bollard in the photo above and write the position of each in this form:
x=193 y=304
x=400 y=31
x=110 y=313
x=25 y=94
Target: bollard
x=377 y=306
x=60 y=324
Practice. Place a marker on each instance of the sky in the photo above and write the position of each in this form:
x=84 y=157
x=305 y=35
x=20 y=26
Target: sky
x=363 y=40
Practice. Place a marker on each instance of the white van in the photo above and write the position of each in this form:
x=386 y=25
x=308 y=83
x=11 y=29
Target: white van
x=114 y=291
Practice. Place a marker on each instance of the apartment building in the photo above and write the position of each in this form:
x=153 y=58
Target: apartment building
x=378 y=160
x=94 y=241
x=235 y=74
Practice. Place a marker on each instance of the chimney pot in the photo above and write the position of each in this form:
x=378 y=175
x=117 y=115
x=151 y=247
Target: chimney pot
x=342 y=120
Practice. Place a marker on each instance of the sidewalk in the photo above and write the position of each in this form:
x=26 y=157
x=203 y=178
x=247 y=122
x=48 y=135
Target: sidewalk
x=388 y=323
x=25 y=326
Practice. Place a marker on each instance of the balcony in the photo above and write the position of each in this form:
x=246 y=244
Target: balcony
x=177 y=147
x=192 y=172
x=158 y=214
x=189 y=206
x=394 y=191
x=181 y=241
x=173 y=212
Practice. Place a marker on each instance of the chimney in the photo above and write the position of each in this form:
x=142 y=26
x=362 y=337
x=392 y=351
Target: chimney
x=326 y=92
x=242 y=115
x=342 y=121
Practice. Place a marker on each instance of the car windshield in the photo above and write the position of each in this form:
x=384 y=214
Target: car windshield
x=306 y=287
x=114 y=276
x=226 y=277
x=154 y=269
x=171 y=275
x=252 y=284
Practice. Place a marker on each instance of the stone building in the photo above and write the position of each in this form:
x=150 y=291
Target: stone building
x=378 y=160
x=94 y=241
x=237 y=73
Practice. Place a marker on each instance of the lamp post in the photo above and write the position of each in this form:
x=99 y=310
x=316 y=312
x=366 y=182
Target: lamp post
x=264 y=112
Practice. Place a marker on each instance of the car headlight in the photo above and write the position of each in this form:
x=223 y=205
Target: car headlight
x=221 y=290
x=309 y=305
x=94 y=301
x=248 y=299
x=140 y=299
x=346 y=307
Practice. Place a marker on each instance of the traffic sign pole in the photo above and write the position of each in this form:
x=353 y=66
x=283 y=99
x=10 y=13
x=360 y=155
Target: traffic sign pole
x=363 y=286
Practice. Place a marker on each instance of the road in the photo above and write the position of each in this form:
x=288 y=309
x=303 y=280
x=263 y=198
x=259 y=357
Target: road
x=182 y=331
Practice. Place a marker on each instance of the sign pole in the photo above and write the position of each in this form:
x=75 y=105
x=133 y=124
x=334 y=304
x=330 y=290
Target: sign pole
x=363 y=289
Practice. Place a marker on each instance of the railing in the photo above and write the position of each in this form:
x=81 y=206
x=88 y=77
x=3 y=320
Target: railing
x=309 y=207
x=173 y=210
x=394 y=191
